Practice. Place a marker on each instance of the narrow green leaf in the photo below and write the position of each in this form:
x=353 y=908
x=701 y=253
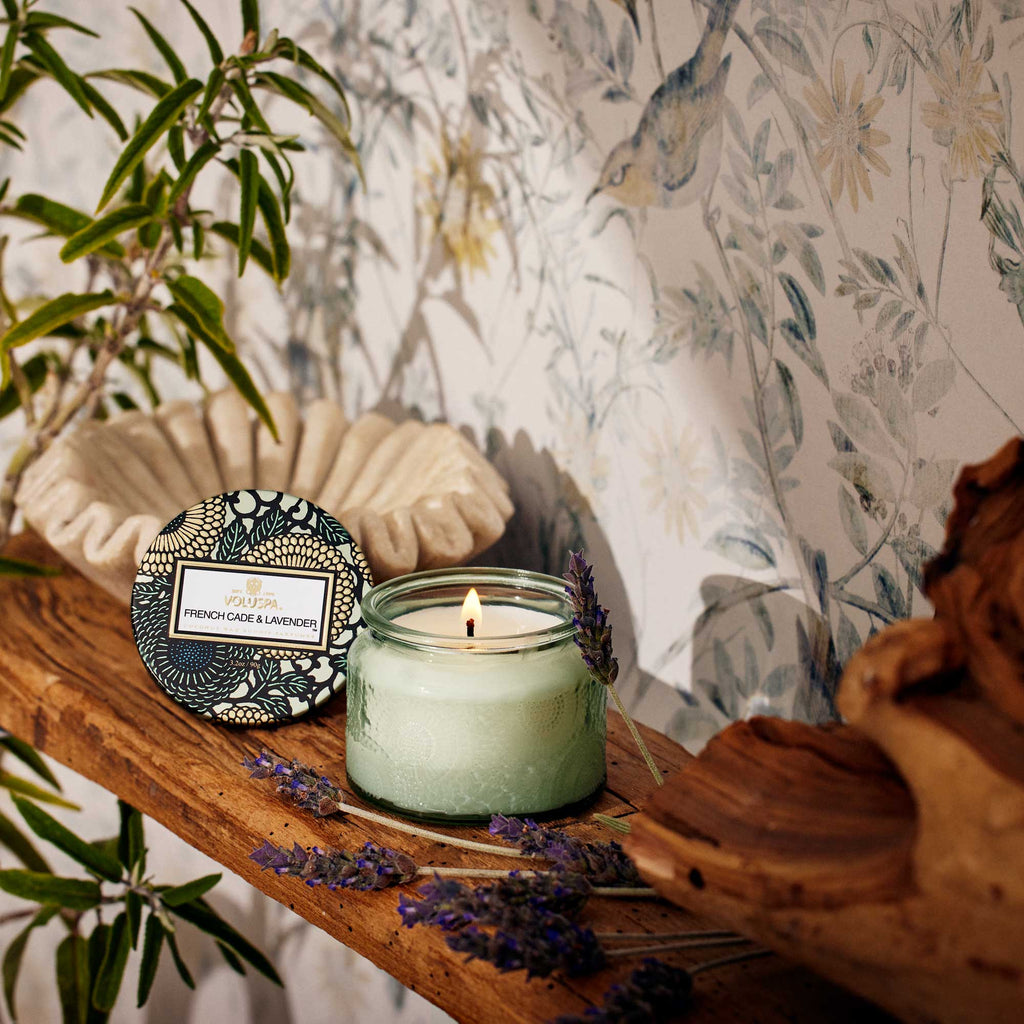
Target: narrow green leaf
x=205 y=306
x=108 y=981
x=106 y=111
x=143 y=81
x=26 y=754
x=54 y=64
x=152 y=944
x=21 y=846
x=284 y=181
x=41 y=887
x=249 y=180
x=251 y=17
x=58 y=311
x=22 y=76
x=198 y=240
x=133 y=908
x=214 y=84
x=199 y=159
x=291 y=51
x=17 y=568
x=259 y=252
x=16 y=784
x=183 y=971
x=131 y=843
x=11 y=7
x=271 y=213
x=60 y=219
x=179 y=894
x=163 y=115
x=15 y=953
x=216 y=53
x=99 y=940
x=202 y=916
x=73 y=979
x=166 y=51
x=230 y=959
x=41 y=21
x=176 y=147
x=233 y=369
x=7 y=59
x=47 y=827
x=255 y=117
x=105 y=229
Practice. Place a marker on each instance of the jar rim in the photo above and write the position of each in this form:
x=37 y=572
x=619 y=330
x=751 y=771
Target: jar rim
x=543 y=586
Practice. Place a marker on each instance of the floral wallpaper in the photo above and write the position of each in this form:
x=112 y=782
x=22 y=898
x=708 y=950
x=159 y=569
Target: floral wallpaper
x=728 y=291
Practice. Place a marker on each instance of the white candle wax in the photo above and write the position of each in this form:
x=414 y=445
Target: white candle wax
x=495 y=620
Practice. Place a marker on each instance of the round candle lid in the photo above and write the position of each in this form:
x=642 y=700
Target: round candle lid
x=245 y=605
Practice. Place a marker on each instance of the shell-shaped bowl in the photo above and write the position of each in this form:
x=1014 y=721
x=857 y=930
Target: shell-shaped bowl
x=413 y=495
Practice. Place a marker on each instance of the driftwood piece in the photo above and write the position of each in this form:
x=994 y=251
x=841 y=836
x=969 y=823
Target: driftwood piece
x=887 y=853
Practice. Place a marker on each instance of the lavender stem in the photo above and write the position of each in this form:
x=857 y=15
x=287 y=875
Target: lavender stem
x=665 y=947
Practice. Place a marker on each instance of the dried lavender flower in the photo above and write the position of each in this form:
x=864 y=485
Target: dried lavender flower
x=554 y=944
x=593 y=634
x=600 y=863
x=509 y=903
x=655 y=992
x=374 y=867
x=594 y=639
x=297 y=782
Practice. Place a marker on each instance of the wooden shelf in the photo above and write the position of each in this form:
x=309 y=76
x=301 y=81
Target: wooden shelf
x=72 y=684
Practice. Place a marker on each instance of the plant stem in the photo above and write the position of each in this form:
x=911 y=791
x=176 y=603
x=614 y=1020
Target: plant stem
x=426 y=833
x=637 y=738
x=666 y=947
x=629 y=892
x=736 y=958
x=665 y=936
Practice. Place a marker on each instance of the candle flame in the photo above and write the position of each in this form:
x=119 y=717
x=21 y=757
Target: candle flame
x=471 y=608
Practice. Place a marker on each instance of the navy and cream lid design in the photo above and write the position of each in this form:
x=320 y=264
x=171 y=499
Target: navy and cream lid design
x=245 y=605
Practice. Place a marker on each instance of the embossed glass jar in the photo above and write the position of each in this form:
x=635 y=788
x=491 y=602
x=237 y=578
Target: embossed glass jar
x=442 y=726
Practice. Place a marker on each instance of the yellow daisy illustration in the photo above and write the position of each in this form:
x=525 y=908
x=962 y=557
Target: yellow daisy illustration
x=849 y=143
x=459 y=204
x=673 y=483
x=961 y=116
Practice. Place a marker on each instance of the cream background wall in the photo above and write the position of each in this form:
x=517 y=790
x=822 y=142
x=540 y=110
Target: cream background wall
x=748 y=404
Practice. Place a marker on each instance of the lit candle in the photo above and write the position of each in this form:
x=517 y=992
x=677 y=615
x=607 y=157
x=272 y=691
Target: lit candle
x=446 y=725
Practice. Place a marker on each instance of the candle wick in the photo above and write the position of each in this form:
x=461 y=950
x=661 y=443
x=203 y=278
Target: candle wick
x=470 y=624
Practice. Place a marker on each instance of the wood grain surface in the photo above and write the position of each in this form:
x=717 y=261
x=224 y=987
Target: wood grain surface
x=72 y=684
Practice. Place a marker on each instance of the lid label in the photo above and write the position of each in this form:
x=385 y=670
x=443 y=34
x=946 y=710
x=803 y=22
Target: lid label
x=256 y=605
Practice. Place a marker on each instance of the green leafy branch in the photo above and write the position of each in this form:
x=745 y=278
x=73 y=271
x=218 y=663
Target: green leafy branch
x=92 y=957
x=142 y=306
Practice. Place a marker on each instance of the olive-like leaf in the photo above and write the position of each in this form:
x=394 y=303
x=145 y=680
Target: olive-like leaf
x=131 y=844
x=11 y=8
x=105 y=229
x=133 y=908
x=73 y=979
x=21 y=846
x=47 y=827
x=41 y=21
x=108 y=981
x=18 y=567
x=206 y=307
x=29 y=756
x=7 y=59
x=42 y=887
x=143 y=81
x=54 y=64
x=216 y=53
x=251 y=17
x=249 y=180
x=161 y=117
x=179 y=894
x=104 y=109
x=53 y=314
x=199 y=159
x=171 y=59
x=152 y=944
x=200 y=914
x=179 y=963
x=15 y=952
x=16 y=784
x=258 y=251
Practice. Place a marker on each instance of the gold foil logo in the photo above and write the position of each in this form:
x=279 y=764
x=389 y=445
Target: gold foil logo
x=253 y=585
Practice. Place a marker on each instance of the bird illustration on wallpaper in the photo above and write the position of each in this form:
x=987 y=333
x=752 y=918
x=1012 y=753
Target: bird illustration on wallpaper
x=672 y=157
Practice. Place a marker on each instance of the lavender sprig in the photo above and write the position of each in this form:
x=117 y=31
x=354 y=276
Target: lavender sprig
x=604 y=864
x=315 y=793
x=655 y=992
x=594 y=639
x=374 y=867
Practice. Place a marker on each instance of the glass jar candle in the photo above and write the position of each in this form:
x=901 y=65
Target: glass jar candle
x=443 y=725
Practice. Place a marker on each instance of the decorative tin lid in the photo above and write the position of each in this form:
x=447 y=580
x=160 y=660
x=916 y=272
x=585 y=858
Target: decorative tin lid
x=245 y=605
